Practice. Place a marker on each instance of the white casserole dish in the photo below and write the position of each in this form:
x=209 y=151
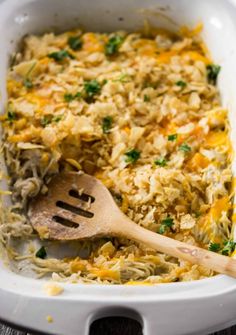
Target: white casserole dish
x=197 y=307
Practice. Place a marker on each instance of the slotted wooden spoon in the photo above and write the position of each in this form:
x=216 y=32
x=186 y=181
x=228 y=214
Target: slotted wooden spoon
x=79 y=206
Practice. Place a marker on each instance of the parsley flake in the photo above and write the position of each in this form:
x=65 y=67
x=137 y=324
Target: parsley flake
x=57 y=118
x=212 y=73
x=106 y=124
x=11 y=116
x=132 y=156
x=77 y=95
x=68 y=97
x=45 y=120
x=229 y=247
x=161 y=162
x=28 y=83
x=214 y=247
x=172 y=137
x=75 y=43
x=181 y=84
x=59 y=56
x=146 y=98
x=166 y=223
x=185 y=147
x=41 y=253
x=113 y=45
x=92 y=88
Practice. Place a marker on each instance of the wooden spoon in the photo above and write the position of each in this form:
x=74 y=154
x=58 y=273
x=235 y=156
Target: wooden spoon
x=78 y=206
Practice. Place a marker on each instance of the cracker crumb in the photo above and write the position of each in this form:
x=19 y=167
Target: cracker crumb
x=187 y=222
x=53 y=289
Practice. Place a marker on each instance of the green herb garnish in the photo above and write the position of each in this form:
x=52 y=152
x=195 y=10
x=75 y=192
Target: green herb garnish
x=75 y=42
x=106 y=124
x=28 y=83
x=11 y=116
x=161 y=162
x=197 y=214
x=45 y=120
x=166 y=223
x=229 y=247
x=146 y=98
x=132 y=156
x=57 y=118
x=68 y=97
x=185 y=147
x=77 y=95
x=92 y=88
x=181 y=84
x=113 y=45
x=172 y=137
x=41 y=253
x=214 y=247
x=60 y=55
x=212 y=73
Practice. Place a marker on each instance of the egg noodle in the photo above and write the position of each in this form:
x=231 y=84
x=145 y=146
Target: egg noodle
x=142 y=113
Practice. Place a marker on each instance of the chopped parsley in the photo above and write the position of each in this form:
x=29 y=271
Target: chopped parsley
x=229 y=247
x=28 y=83
x=185 y=147
x=68 y=97
x=45 y=120
x=214 y=247
x=41 y=253
x=212 y=73
x=11 y=116
x=59 y=56
x=132 y=156
x=57 y=118
x=146 y=98
x=197 y=214
x=77 y=95
x=166 y=223
x=172 y=137
x=106 y=124
x=181 y=84
x=113 y=45
x=75 y=42
x=92 y=88
x=161 y=162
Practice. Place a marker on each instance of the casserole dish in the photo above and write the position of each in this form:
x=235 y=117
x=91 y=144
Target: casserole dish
x=161 y=308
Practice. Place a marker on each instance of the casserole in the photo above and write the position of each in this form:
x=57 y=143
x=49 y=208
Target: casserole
x=153 y=306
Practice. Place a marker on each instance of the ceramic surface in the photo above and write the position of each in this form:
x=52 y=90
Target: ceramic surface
x=198 y=307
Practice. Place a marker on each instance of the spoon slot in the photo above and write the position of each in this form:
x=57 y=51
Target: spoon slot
x=73 y=209
x=65 y=222
x=84 y=197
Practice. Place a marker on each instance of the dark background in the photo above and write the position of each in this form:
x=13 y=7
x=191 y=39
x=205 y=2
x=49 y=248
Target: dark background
x=111 y=326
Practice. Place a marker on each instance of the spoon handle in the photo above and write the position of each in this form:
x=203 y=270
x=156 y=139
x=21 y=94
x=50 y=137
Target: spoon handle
x=187 y=252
